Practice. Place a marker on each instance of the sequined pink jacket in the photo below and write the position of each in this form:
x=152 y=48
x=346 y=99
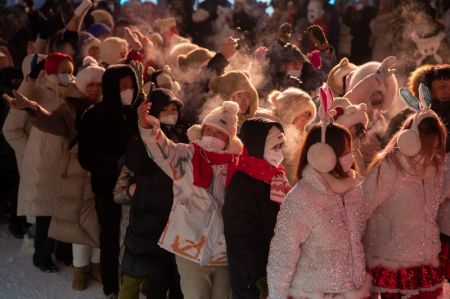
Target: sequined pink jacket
x=317 y=245
x=402 y=210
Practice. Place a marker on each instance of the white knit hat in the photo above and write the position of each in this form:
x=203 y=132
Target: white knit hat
x=291 y=103
x=112 y=49
x=91 y=73
x=224 y=118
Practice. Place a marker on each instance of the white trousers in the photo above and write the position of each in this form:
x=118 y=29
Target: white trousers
x=83 y=254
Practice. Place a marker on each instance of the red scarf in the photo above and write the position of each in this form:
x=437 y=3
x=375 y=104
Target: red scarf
x=262 y=170
x=202 y=162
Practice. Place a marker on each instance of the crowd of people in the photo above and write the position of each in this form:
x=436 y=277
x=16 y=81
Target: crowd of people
x=209 y=150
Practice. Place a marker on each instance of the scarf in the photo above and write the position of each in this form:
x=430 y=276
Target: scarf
x=202 y=162
x=261 y=170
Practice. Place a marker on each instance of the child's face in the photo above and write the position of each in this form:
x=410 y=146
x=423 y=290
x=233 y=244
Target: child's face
x=440 y=90
x=170 y=109
x=216 y=133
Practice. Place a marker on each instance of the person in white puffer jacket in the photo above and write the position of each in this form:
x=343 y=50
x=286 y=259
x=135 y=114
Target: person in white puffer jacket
x=403 y=191
x=201 y=172
x=316 y=251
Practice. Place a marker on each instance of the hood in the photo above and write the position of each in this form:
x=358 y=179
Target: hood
x=254 y=133
x=111 y=84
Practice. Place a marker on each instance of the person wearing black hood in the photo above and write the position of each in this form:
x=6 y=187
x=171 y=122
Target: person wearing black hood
x=150 y=192
x=105 y=132
x=252 y=204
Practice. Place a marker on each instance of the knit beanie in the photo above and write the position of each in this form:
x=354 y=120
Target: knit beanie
x=233 y=82
x=53 y=60
x=98 y=29
x=91 y=73
x=113 y=50
x=224 y=118
x=291 y=103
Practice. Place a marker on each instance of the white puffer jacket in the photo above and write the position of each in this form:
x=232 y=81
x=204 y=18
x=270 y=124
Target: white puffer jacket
x=402 y=209
x=40 y=169
x=194 y=230
x=317 y=248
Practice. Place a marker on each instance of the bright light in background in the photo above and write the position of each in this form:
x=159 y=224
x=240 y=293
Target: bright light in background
x=269 y=9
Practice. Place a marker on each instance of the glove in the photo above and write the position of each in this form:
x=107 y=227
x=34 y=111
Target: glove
x=36 y=67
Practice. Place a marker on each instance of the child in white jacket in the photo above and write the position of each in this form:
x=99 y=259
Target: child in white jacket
x=403 y=191
x=200 y=171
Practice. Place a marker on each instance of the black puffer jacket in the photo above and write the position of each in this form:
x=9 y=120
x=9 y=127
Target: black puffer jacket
x=150 y=206
x=249 y=217
x=105 y=131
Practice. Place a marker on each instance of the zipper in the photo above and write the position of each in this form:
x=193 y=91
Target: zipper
x=349 y=237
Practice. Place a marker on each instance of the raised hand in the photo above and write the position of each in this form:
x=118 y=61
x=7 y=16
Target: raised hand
x=139 y=69
x=19 y=102
x=145 y=120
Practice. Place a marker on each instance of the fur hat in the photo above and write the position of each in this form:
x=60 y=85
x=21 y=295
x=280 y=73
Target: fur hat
x=87 y=41
x=162 y=79
x=290 y=103
x=113 y=50
x=338 y=74
x=102 y=16
x=232 y=82
x=194 y=59
x=91 y=73
x=389 y=90
x=352 y=114
x=225 y=119
x=177 y=50
x=53 y=60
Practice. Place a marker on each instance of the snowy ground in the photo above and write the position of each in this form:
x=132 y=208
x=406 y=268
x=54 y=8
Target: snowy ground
x=20 y=279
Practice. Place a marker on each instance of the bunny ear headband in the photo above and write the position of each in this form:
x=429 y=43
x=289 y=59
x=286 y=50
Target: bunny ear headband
x=408 y=141
x=320 y=155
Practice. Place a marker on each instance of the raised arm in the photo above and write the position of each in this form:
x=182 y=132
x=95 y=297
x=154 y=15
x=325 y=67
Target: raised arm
x=169 y=156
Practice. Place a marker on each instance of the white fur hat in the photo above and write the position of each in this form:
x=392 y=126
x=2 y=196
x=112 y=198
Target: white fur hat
x=389 y=91
x=224 y=118
x=87 y=44
x=290 y=103
x=177 y=50
x=352 y=115
x=113 y=50
x=91 y=73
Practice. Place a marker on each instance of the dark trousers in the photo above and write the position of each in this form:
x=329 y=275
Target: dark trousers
x=158 y=286
x=43 y=245
x=108 y=213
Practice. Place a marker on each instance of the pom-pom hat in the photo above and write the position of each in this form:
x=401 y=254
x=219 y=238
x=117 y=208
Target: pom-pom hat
x=224 y=118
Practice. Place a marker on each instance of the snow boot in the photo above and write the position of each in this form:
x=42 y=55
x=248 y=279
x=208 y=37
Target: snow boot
x=80 y=278
x=94 y=271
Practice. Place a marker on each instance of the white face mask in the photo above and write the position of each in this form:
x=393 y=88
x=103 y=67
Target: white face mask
x=126 y=97
x=294 y=73
x=274 y=157
x=169 y=120
x=211 y=143
x=346 y=162
x=64 y=79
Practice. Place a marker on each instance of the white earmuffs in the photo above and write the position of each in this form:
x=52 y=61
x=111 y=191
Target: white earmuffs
x=408 y=141
x=321 y=156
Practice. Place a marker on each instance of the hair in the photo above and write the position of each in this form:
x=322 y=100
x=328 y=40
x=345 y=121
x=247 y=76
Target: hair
x=336 y=136
x=429 y=128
